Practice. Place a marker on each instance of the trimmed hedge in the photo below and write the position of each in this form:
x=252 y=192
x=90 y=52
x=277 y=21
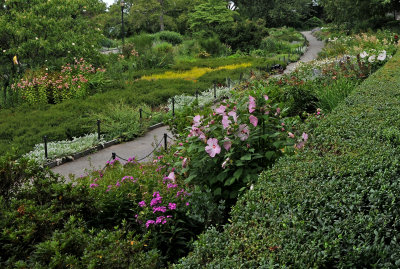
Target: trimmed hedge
x=336 y=204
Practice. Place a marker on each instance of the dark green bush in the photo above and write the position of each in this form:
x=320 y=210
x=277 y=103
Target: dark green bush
x=243 y=35
x=313 y=22
x=212 y=45
x=334 y=205
x=170 y=37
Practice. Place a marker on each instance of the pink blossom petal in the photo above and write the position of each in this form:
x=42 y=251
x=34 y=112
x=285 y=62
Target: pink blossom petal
x=252 y=104
x=227 y=145
x=253 y=120
x=212 y=147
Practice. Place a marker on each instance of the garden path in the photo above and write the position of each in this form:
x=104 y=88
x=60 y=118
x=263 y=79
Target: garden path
x=142 y=146
x=314 y=47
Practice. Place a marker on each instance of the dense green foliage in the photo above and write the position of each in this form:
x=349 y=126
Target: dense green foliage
x=333 y=205
x=366 y=14
x=276 y=13
x=110 y=217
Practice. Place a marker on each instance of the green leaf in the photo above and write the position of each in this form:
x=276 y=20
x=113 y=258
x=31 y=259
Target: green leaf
x=246 y=157
x=230 y=181
x=269 y=154
x=238 y=173
x=217 y=192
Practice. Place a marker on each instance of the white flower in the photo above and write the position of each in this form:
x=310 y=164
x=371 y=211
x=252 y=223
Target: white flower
x=36 y=38
x=382 y=56
x=363 y=54
x=69 y=51
x=371 y=58
x=4 y=51
x=73 y=44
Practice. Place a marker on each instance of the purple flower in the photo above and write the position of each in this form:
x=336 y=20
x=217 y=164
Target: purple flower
x=172 y=206
x=233 y=115
x=155 y=201
x=252 y=104
x=149 y=222
x=161 y=219
x=253 y=120
x=93 y=185
x=212 y=147
x=159 y=209
x=142 y=204
x=170 y=185
x=118 y=184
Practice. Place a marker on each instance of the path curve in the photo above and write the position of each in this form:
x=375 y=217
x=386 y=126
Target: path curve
x=141 y=146
x=314 y=47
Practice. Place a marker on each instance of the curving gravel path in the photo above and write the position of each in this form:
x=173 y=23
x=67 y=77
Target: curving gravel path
x=314 y=47
x=142 y=146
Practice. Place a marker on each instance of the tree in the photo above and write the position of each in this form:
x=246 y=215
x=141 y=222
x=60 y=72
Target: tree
x=276 y=12
x=34 y=33
x=211 y=14
x=42 y=31
x=356 y=13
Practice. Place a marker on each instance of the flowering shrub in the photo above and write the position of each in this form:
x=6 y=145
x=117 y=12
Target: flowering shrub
x=226 y=148
x=73 y=81
x=153 y=199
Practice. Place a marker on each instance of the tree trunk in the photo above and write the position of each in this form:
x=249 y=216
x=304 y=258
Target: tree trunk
x=161 y=15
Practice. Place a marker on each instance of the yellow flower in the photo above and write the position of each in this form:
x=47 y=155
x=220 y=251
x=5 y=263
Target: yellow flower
x=15 y=60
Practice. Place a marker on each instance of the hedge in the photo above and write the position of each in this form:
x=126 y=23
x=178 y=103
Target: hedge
x=335 y=204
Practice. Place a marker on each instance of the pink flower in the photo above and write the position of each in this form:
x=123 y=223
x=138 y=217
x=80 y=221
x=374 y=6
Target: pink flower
x=300 y=145
x=253 y=120
x=278 y=111
x=252 y=104
x=149 y=222
x=266 y=97
x=225 y=122
x=221 y=110
x=243 y=132
x=305 y=137
x=233 y=115
x=171 y=177
x=172 y=206
x=225 y=162
x=196 y=121
x=212 y=147
x=162 y=209
x=93 y=185
x=291 y=135
x=184 y=163
x=170 y=185
x=227 y=144
x=142 y=204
